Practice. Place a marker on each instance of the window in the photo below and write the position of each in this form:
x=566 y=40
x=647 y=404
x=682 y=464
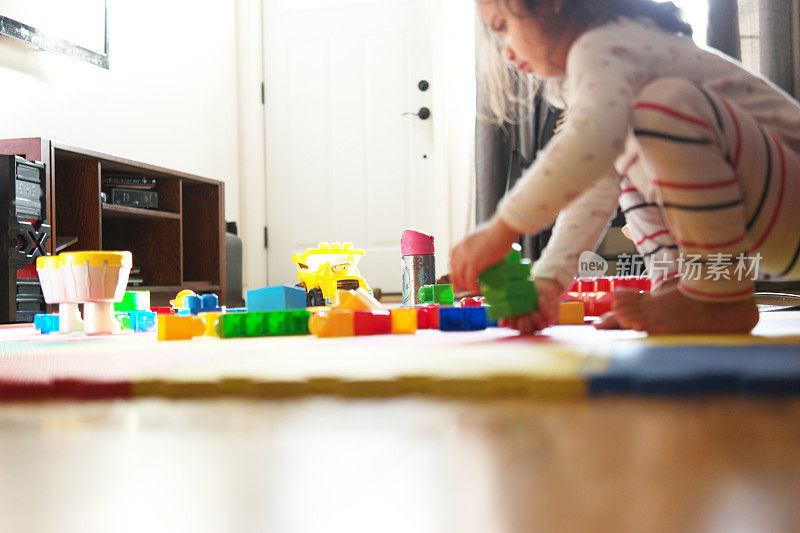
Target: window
x=749 y=23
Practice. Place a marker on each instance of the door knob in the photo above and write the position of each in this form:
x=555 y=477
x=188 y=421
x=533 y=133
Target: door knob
x=424 y=113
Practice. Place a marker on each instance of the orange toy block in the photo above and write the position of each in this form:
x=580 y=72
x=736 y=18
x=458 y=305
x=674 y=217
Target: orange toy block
x=356 y=300
x=404 y=320
x=570 y=313
x=333 y=323
x=171 y=327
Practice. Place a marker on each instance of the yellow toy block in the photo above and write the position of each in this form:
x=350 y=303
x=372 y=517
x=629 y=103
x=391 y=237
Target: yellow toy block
x=570 y=313
x=210 y=323
x=404 y=320
x=171 y=327
x=356 y=300
x=332 y=323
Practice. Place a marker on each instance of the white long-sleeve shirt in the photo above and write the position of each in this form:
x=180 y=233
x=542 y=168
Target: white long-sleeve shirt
x=607 y=67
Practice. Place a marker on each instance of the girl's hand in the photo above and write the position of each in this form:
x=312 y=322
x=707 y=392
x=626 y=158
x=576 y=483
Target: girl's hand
x=549 y=294
x=487 y=245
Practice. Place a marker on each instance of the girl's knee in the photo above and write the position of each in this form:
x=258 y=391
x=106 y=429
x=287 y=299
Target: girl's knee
x=669 y=92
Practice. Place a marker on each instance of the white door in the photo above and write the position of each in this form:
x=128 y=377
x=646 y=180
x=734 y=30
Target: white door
x=343 y=163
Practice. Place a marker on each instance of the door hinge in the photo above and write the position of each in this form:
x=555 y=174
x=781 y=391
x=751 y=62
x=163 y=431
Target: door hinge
x=263 y=94
x=266 y=238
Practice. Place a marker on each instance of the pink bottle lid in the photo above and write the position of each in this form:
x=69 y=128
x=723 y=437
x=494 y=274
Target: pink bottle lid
x=416 y=243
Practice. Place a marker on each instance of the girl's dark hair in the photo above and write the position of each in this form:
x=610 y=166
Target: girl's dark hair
x=587 y=13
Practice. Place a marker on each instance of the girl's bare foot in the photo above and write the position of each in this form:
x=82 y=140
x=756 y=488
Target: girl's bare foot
x=673 y=312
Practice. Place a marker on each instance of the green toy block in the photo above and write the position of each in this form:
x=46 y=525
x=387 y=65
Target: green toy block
x=134 y=301
x=502 y=273
x=263 y=324
x=436 y=294
x=124 y=319
x=511 y=308
x=515 y=290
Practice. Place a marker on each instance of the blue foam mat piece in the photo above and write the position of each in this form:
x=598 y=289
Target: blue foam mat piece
x=757 y=369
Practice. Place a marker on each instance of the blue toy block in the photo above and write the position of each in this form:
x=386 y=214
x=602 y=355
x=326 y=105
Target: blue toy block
x=46 y=323
x=462 y=318
x=230 y=310
x=475 y=318
x=451 y=319
x=207 y=303
x=276 y=298
x=143 y=320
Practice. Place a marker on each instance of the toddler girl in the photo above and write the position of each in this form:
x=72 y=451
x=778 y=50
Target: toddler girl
x=702 y=155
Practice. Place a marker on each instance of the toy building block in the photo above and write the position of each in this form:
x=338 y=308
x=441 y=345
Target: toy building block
x=356 y=300
x=513 y=290
x=462 y=318
x=475 y=318
x=404 y=320
x=123 y=319
x=436 y=294
x=207 y=303
x=373 y=322
x=134 y=301
x=508 y=287
x=210 y=321
x=172 y=327
x=276 y=298
x=46 y=323
x=428 y=316
x=570 y=313
x=142 y=321
x=511 y=308
x=263 y=324
x=332 y=323
x=163 y=310
x=472 y=301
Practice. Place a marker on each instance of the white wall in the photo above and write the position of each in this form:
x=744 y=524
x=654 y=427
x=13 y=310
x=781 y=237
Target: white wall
x=169 y=98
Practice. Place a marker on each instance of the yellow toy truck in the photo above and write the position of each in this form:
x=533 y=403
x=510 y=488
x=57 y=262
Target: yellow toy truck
x=329 y=267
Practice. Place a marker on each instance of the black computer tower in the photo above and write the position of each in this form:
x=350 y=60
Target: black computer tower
x=25 y=229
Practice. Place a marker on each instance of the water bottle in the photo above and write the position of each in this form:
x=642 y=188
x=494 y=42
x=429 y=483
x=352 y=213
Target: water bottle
x=419 y=267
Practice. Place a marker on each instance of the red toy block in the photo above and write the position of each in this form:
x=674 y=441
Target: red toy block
x=163 y=310
x=374 y=322
x=428 y=316
x=574 y=287
x=475 y=301
x=598 y=303
x=625 y=283
x=586 y=285
x=602 y=285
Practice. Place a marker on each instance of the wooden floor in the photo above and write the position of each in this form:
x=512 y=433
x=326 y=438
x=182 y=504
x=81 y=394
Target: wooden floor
x=405 y=465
